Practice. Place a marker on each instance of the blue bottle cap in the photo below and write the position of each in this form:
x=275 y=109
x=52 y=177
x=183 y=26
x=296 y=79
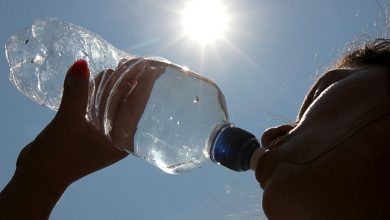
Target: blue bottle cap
x=233 y=148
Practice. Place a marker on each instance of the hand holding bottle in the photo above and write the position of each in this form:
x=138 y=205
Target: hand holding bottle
x=69 y=147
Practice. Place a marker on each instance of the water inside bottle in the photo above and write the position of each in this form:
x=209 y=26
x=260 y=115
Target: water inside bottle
x=182 y=111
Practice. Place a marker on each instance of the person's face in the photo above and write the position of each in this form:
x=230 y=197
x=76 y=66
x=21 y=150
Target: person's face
x=329 y=162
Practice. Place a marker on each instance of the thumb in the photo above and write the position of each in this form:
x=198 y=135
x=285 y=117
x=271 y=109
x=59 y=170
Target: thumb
x=75 y=95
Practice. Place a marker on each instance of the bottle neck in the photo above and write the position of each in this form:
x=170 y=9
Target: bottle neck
x=233 y=148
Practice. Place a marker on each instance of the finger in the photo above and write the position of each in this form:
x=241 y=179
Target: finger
x=133 y=105
x=121 y=62
x=106 y=91
x=99 y=102
x=94 y=97
x=124 y=85
x=98 y=77
x=75 y=95
x=104 y=88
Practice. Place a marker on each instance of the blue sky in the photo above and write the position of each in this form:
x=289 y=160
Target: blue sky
x=277 y=49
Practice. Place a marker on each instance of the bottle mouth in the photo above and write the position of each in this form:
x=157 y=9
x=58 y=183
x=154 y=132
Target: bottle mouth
x=214 y=136
x=233 y=147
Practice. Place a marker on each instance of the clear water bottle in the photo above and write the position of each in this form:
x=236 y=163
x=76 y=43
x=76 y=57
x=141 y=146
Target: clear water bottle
x=185 y=121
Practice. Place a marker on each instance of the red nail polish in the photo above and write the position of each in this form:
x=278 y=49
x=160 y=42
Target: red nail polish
x=80 y=68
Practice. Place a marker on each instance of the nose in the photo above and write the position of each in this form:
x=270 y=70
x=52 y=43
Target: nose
x=272 y=134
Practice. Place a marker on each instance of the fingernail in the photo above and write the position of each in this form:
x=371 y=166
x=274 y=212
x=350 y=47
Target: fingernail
x=80 y=68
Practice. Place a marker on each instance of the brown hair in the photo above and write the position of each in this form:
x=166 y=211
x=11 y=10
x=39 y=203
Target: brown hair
x=376 y=52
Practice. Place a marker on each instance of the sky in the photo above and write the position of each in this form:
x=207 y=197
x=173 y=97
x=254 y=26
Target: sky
x=271 y=53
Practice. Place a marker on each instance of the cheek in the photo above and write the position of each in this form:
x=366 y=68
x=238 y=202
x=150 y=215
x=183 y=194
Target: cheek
x=343 y=102
x=333 y=105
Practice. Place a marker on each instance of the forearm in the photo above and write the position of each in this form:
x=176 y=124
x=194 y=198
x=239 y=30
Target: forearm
x=26 y=197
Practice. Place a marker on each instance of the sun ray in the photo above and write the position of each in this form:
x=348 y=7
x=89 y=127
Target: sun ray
x=169 y=44
x=142 y=44
x=218 y=58
x=202 y=58
x=244 y=56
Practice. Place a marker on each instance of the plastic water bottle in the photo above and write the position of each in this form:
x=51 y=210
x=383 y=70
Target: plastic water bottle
x=184 y=124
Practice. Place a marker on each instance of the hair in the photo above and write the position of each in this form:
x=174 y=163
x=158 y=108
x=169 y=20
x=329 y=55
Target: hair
x=375 y=52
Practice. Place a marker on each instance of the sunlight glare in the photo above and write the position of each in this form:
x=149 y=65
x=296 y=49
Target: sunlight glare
x=205 y=20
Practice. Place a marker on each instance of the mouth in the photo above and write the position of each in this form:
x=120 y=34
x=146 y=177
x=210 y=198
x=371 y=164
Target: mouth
x=276 y=142
x=267 y=163
x=265 y=167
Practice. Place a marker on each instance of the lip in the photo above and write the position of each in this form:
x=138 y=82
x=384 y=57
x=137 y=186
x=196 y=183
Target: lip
x=277 y=141
x=266 y=164
x=265 y=167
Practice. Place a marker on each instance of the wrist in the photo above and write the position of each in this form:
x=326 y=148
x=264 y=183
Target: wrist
x=40 y=171
x=28 y=197
x=45 y=185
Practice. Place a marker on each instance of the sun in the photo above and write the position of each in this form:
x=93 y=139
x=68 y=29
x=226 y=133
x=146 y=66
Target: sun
x=205 y=21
